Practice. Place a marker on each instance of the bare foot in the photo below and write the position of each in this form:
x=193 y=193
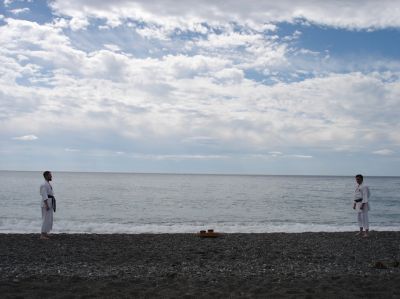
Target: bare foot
x=44 y=238
x=365 y=235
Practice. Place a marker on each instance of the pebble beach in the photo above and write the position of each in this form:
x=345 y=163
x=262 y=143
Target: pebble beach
x=276 y=265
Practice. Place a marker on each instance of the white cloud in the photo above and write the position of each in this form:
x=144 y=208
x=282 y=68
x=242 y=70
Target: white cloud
x=112 y=47
x=384 y=152
x=280 y=155
x=197 y=95
x=179 y=157
x=154 y=32
x=186 y=14
x=73 y=150
x=275 y=153
x=245 y=49
x=78 y=23
x=179 y=97
x=26 y=138
x=182 y=66
x=231 y=75
x=301 y=156
x=229 y=40
x=43 y=44
x=18 y=11
x=200 y=140
x=8 y=2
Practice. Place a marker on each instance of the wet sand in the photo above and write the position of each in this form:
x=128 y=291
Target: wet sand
x=278 y=265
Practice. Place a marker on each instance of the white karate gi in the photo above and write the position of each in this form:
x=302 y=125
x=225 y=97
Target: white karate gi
x=362 y=191
x=47 y=215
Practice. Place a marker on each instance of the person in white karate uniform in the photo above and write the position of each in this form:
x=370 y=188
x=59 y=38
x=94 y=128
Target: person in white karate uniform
x=361 y=205
x=47 y=205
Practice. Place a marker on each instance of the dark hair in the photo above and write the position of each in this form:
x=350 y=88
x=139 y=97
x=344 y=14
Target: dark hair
x=360 y=176
x=46 y=173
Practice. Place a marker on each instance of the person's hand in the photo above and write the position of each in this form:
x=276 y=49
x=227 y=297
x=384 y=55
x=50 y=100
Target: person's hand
x=47 y=207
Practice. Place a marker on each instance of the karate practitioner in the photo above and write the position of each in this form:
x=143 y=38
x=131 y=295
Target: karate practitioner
x=47 y=204
x=361 y=195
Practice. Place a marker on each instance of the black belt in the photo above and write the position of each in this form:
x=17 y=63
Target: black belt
x=358 y=199
x=53 y=202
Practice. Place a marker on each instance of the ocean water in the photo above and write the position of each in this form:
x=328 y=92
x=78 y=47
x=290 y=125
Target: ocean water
x=175 y=203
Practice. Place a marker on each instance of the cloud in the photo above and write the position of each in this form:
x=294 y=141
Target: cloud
x=384 y=152
x=78 y=23
x=216 y=92
x=18 y=11
x=154 y=32
x=187 y=14
x=8 y=2
x=275 y=153
x=280 y=155
x=179 y=97
x=73 y=150
x=45 y=45
x=301 y=156
x=112 y=47
x=179 y=157
x=26 y=138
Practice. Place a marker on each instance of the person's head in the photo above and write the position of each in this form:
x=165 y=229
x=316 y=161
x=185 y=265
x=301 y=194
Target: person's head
x=47 y=175
x=359 y=179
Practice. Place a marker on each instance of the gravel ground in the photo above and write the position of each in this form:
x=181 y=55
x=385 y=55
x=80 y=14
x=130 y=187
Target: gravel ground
x=278 y=265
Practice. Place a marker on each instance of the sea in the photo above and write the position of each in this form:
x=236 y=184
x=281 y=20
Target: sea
x=186 y=203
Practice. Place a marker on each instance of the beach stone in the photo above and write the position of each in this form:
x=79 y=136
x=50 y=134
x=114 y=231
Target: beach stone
x=175 y=265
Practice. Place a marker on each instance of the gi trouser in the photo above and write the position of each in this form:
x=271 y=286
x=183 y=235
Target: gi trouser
x=47 y=220
x=363 y=218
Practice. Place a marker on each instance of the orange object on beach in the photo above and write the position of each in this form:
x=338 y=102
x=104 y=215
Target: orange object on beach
x=208 y=234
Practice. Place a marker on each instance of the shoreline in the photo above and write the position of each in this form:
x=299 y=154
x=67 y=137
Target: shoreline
x=236 y=265
x=195 y=232
x=376 y=230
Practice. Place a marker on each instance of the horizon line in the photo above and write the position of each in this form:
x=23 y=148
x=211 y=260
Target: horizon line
x=197 y=173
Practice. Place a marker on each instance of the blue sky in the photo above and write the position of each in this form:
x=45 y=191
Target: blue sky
x=200 y=86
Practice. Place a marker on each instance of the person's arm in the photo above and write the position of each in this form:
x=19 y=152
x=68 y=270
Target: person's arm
x=364 y=192
x=43 y=193
x=46 y=204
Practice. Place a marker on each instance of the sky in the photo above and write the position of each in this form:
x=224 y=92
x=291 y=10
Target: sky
x=188 y=86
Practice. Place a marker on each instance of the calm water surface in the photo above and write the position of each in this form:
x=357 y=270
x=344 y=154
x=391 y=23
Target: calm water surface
x=159 y=203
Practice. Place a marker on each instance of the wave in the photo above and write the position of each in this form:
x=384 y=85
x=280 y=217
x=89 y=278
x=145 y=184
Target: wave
x=69 y=226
